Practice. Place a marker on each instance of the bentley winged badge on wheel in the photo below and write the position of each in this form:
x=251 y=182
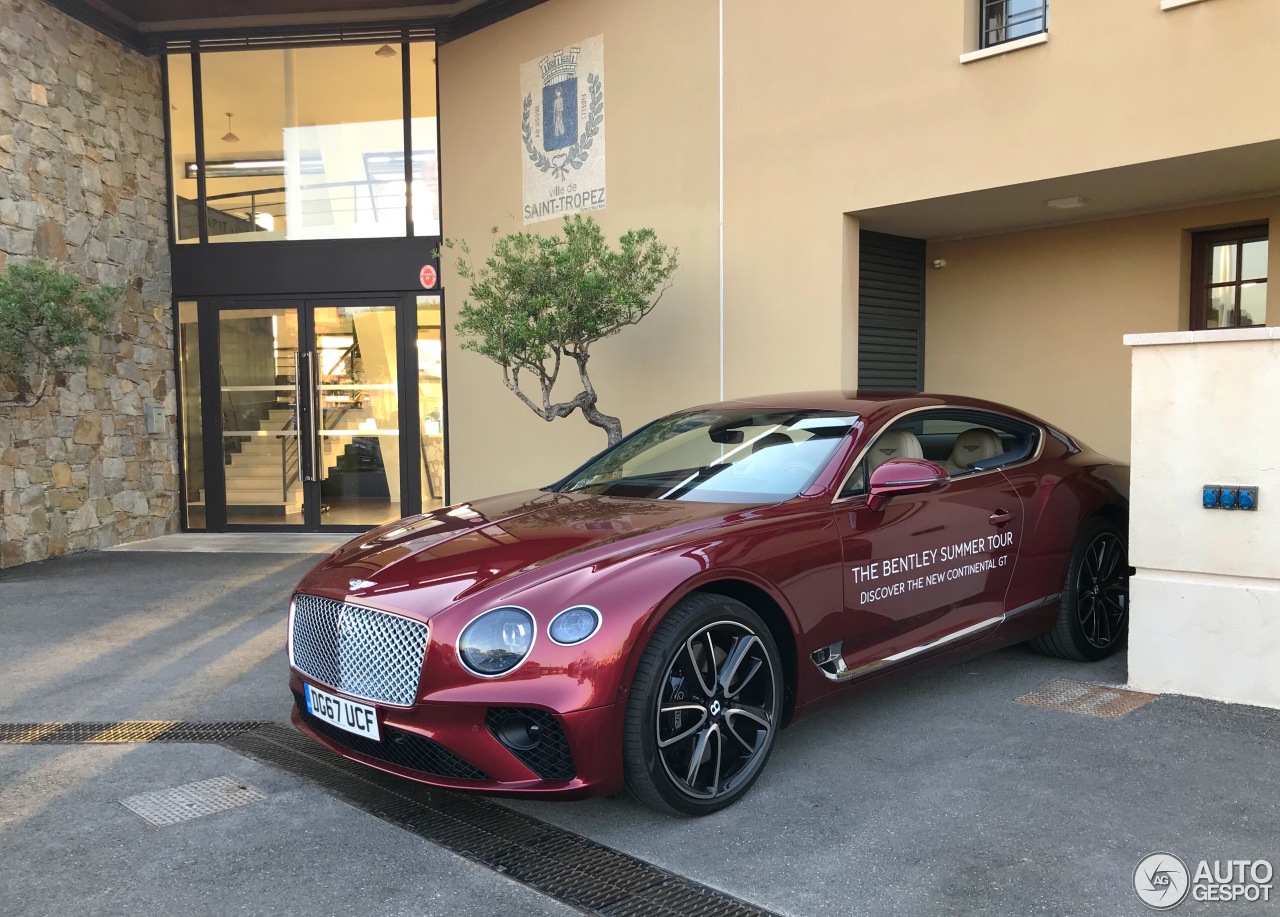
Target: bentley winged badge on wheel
x=656 y=618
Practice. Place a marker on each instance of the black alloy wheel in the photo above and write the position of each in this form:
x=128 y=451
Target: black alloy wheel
x=1093 y=618
x=704 y=709
x=1102 y=591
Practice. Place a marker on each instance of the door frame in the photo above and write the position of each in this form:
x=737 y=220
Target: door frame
x=207 y=311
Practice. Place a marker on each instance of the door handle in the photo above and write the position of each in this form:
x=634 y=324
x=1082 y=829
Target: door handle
x=1000 y=517
x=311 y=477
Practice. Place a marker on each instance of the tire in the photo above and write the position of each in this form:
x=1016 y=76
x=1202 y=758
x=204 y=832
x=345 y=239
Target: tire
x=1093 y=619
x=733 y=726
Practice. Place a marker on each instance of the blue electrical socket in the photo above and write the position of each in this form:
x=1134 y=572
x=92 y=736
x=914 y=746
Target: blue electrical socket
x=1217 y=496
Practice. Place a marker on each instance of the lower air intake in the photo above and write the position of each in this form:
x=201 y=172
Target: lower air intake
x=403 y=749
x=535 y=737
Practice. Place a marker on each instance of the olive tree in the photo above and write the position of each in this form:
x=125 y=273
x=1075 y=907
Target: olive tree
x=537 y=304
x=46 y=318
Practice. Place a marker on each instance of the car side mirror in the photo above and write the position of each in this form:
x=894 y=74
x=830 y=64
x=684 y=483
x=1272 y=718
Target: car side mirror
x=900 y=476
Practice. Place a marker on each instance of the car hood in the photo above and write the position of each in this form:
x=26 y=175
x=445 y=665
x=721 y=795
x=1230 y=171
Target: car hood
x=435 y=560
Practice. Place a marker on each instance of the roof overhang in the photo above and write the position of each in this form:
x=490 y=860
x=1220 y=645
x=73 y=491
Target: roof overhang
x=151 y=24
x=1216 y=176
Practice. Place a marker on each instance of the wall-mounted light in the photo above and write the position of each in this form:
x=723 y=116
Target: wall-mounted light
x=1068 y=203
x=229 y=137
x=939 y=263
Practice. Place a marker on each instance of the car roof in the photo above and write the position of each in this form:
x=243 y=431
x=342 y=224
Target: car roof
x=866 y=403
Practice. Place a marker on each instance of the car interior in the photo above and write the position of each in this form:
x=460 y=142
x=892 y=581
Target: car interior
x=962 y=442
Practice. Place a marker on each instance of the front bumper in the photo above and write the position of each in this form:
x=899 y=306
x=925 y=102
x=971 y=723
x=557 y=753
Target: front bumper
x=452 y=745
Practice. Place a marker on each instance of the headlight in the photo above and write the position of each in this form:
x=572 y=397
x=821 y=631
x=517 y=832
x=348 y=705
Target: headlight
x=573 y=625
x=497 y=641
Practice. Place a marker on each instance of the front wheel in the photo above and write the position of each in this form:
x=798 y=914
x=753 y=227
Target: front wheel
x=704 y=709
x=1093 y=619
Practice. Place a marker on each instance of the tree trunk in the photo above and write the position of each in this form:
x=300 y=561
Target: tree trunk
x=587 y=399
x=610 y=424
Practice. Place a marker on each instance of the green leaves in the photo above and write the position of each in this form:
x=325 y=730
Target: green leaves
x=46 y=318
x=536 y=295
x=536 y=300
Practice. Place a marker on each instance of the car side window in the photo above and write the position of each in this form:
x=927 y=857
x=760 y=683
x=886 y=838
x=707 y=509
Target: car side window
x=963 y=441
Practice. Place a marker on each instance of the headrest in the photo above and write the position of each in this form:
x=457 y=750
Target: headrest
x=892 y=445
x=776 y=438
x=975 y=445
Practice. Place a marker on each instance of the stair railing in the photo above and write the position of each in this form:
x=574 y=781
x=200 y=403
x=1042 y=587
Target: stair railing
x=290 y=460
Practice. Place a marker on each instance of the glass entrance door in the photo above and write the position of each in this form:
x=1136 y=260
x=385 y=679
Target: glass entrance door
x=354 y=384
x=262 y=430
x=308 y=414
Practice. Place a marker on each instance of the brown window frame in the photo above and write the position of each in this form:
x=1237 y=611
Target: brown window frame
x=1202 y=245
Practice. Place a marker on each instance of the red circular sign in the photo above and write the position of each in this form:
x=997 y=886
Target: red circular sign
x=428 y=276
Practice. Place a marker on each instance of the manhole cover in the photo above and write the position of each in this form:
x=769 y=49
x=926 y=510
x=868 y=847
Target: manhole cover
x=168 y=807
x=1082 y=697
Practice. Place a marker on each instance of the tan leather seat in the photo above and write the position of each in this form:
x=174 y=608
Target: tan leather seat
x=892 y=445
x=973 y=445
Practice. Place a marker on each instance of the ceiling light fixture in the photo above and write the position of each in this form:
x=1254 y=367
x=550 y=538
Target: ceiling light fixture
x=1068 y=203
x=386 y=51
x=229 y=137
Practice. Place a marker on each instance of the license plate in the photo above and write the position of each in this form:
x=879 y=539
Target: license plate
x=358 y=718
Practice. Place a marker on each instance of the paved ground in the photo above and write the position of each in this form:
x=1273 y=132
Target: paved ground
x=938 y=796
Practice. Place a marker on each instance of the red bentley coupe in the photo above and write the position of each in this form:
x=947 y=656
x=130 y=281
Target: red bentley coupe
x=652 y=620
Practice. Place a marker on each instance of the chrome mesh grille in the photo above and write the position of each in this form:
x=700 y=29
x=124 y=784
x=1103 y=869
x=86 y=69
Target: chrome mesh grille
x=358 y=651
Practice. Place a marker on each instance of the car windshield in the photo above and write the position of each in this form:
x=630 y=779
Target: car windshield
x=723 y=456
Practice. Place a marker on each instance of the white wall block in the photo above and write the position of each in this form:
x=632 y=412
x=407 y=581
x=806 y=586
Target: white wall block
x=1205 y=604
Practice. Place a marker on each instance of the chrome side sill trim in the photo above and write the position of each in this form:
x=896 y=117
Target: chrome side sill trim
x=832 y=661
x=1032 y=606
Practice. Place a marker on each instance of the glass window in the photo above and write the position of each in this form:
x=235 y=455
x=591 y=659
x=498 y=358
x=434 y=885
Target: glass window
x=426 y=169
x=730 y=456
x=961 y=441
x=192 y=421
x=1007 y=20
x=304 y=143
x=431 y=401
x=182 y=141
x=1229 y=278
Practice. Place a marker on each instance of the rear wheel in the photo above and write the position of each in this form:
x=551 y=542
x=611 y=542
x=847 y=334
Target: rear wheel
x=1093 y=619
x=704 y=707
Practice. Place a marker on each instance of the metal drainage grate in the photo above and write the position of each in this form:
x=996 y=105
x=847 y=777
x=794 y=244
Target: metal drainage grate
x=558 y=863
x=1082 y=697
x=168 y=807
x=119 y=733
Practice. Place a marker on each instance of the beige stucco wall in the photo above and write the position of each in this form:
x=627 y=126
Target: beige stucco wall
x=836 y=106
x=833 y=108
x=661 y=89
x=1036 y=319
x=1206 y=597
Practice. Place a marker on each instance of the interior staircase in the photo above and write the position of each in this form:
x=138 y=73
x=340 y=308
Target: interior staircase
x=265 y=475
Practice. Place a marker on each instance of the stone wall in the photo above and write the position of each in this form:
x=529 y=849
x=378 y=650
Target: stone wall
x=82 y=182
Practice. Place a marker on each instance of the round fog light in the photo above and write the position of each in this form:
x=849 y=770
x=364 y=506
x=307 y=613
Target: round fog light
x=573 y=625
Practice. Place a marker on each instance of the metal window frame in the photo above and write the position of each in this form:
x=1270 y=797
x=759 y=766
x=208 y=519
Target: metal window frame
x=196 y=45
x=985 y=7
